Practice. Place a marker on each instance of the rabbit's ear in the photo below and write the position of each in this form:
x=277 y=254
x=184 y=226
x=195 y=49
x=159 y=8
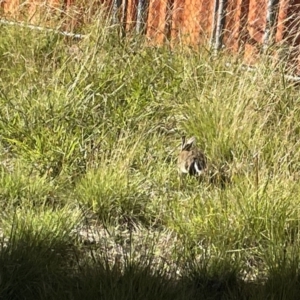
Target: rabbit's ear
x=182 y=142
x=188 y=145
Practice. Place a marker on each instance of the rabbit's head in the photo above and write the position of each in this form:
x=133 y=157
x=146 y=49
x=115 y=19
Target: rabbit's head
x=187 y=145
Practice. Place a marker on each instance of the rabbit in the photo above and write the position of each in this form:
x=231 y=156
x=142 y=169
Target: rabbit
x=191 y=160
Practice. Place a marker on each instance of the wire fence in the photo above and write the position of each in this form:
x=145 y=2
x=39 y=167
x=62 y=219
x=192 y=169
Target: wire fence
x=245 y=26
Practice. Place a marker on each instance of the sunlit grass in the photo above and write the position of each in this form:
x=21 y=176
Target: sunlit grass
x=90 y=132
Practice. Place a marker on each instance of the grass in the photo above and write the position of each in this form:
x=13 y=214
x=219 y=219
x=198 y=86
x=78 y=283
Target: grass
x=91 y=204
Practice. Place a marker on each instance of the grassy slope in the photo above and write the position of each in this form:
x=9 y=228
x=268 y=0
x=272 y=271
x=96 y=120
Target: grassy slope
x=92 y=138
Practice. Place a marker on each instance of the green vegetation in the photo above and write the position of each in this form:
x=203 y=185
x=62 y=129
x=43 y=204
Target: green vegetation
x=91 y=206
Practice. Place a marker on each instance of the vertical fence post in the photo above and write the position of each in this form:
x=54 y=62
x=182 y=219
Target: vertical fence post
x=116 y=11
x=219 y=25
x=219 y=9
x=270 y=22
x=213 y=27
x=141 y=13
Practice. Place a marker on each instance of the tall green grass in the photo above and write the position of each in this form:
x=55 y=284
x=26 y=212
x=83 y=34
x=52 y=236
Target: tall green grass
x=90 y=132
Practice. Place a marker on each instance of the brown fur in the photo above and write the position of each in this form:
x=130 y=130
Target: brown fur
x=191 y=160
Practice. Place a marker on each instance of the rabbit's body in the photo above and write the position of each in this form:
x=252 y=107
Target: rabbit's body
x=191 y=160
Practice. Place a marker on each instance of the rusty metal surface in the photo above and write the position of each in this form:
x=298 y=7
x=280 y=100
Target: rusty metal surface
x=235 y=31
x=180 y=21
x=156 y=23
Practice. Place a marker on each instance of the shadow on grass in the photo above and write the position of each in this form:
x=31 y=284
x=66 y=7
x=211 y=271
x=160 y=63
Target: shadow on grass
x=31 y=268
